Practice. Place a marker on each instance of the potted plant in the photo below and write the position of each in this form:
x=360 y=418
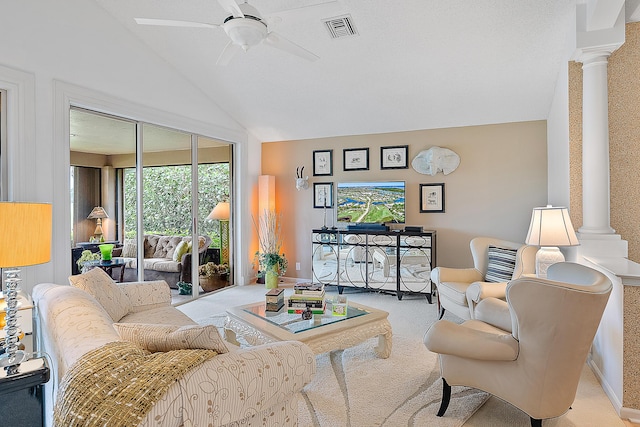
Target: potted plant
x=272 y=263
x=213 y=276
x=86 y=255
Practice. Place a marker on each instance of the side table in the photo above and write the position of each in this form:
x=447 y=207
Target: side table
x=21 y=394
x=108 y=266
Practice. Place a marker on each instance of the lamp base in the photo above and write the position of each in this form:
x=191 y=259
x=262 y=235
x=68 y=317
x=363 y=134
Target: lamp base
x=546 y=256
x=11 y=364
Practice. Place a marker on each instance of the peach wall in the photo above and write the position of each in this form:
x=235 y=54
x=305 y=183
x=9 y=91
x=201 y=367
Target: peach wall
x=501 y=177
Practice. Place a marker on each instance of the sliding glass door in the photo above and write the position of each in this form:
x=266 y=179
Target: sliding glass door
x=157 y=186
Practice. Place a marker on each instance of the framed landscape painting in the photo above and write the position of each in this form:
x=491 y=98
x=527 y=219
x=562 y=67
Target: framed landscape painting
x=355 y=159
x=323 y=163
x=394 y=157
x=432 y=197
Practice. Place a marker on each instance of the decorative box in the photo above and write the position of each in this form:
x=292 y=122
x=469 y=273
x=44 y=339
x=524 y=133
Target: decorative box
x=275 y=299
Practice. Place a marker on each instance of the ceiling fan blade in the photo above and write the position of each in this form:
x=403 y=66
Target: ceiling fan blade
x=228 y=53
x=173 y=23
x=232 y=7
x=276 y=40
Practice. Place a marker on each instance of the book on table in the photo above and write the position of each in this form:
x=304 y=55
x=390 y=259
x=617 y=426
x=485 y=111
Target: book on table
x=308 y=289
x=298 y=297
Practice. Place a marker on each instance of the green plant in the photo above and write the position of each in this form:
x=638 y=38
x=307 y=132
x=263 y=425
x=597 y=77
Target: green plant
x=268 y=261
x=211 y=269
x=87 y=255
x=270 y=255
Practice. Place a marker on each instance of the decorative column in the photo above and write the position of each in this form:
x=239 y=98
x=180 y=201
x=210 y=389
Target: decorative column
x=595 y=144
x=599 y=32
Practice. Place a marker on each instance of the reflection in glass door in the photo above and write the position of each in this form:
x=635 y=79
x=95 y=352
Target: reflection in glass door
x=151 y=198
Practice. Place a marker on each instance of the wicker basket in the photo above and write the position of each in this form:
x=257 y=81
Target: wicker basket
x=215 y=282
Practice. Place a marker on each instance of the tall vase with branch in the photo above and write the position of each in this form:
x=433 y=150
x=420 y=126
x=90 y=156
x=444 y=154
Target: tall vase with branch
x=272 y=263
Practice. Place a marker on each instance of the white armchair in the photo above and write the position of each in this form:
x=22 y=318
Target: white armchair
x=530 y=350
x=461 y=289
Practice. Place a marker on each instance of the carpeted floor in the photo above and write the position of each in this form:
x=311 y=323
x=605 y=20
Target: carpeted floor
x=354 y=388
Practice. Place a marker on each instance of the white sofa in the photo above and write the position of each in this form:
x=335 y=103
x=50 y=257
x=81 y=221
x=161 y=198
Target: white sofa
x=72 y=322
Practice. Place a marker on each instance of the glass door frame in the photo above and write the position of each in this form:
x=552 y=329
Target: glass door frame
x=139 y=124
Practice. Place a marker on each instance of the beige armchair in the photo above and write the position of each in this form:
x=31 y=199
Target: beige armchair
x=461 y=289
x=537 y=366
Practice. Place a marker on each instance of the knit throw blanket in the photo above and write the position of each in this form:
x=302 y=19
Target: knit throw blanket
x=118 y=383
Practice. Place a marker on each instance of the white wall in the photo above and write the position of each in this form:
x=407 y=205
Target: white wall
x=558 y=142
x=44 y=45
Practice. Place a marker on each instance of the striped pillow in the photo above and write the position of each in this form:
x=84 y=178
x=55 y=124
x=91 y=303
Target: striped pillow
x=502 y=262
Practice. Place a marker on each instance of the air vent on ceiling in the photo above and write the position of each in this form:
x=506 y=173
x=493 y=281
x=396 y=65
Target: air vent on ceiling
x=340 y=26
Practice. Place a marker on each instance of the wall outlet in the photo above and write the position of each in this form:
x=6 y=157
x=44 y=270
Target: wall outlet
x=297 y=266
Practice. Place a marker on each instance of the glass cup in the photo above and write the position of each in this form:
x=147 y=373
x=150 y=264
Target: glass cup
x=105 y=251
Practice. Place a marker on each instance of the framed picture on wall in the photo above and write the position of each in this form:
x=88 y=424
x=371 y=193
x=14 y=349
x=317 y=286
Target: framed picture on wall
x=323 y=194
x=322 y=162
x=432 y=197
x=355 y=159
x=394 y=157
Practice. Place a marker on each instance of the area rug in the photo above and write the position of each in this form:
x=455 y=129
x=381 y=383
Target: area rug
x=354 y=388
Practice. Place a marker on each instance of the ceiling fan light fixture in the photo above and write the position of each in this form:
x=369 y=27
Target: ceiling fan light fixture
x=246 y=33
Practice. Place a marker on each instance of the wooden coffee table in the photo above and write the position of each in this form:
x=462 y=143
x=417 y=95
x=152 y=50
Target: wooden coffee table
x=323 y=333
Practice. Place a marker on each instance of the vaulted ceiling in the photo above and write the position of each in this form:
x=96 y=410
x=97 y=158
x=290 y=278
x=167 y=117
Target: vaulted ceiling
x=414 y=64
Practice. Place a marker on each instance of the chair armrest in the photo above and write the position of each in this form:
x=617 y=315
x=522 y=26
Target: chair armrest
x=525 y=261
x=478 y=291
x=147 y=295
x=253 y=379
x=446 y=274
x=494 y=312
x=445 y=337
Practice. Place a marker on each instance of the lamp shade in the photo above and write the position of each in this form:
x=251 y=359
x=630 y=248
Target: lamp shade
x=25 y=234
x=221 y=211
x=98 y=212
x=551 y=226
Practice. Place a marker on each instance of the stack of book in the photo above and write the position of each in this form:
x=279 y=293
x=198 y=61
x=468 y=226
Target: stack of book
x=307 y=295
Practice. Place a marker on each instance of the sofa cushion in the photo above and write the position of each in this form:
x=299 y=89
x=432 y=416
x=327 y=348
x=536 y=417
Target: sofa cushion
x=157 y=338
x=500 y=265
x=157 y=264
x=163 y=315
x=181 y=249
x=166 y=246
x=130 y=248
x=102 y=287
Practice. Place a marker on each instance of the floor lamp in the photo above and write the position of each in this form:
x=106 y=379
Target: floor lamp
x=25 y=239
x=550 y=227
x=222 y=213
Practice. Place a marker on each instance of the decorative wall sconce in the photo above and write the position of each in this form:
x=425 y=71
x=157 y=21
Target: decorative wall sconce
x=302 y=182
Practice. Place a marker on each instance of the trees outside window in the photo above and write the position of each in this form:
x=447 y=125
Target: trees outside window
x=167 y=199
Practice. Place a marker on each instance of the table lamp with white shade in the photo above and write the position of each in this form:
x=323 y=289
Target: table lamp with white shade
x=25 y=239
x=550 y=229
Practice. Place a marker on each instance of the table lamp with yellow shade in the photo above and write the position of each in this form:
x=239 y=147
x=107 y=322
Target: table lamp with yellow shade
x=25 y=239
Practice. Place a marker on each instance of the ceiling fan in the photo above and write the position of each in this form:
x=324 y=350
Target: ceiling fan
x=246 y=28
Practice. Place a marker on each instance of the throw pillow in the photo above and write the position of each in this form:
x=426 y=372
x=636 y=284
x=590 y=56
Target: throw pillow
x=130 y=249
x=102 y=287
x=155 y=338
x=181 y=249
x=501 y=263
